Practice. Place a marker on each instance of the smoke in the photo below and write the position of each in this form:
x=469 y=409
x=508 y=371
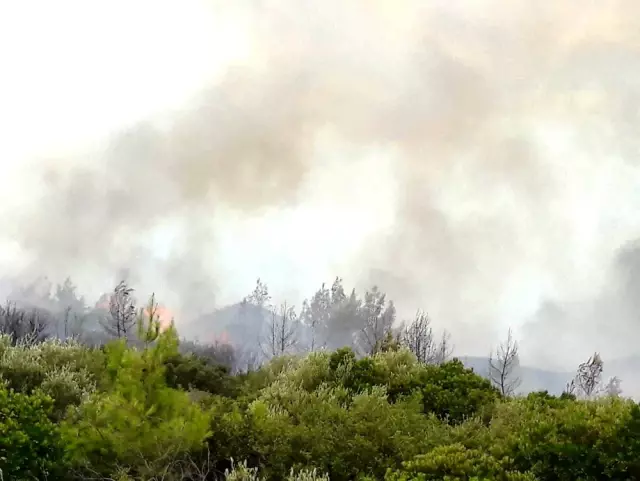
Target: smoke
x=512 y=128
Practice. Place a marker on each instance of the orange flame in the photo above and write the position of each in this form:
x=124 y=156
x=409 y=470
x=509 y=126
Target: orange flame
x=221 y=338
x=164 y=315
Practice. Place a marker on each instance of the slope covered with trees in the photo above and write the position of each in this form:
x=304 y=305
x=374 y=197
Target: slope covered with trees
x=393 y=405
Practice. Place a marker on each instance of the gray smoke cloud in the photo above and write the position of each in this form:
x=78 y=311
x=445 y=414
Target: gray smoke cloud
x=503 y=116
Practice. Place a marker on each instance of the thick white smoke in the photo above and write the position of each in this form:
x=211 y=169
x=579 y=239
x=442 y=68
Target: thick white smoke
x=507 y=133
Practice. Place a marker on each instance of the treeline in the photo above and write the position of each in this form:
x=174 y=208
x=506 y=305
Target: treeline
x=333 y=318
x=330 y=319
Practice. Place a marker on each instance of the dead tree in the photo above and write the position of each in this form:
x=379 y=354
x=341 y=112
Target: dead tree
x=22 y=326
x=419 y=339
x=612 y=388
x=588 y=380
x=122 y=312
x=444 y=349
x=502 y=367
x=282 y=331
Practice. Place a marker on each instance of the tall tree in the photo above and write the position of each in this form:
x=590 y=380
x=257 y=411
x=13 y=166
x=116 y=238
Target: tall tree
x=255 y=316
x=344 y=317
x=66 y=296
x=281 y=332
x=331 y=317
x=316 y=316
x=122 y=312
x=377 y=317
x=70 y=309
x=503 y=366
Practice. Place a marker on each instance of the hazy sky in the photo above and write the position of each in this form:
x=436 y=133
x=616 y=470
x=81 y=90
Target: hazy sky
x=474 y=158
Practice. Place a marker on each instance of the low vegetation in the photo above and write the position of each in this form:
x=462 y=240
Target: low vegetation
x=147 y=412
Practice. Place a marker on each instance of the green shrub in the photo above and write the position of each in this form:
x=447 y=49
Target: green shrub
x=192 y=372
x=454 y=393
x=141 y=424
x=61 y=370
x=30 y=444
x=565 y=439
x=456 y=463
x=338 y=434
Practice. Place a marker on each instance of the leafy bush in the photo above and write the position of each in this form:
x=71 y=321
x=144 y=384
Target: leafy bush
x=335 y=433
x=565 y=439
x=30 y=443
x=455 y=393
x=192 y=372
x=456 y=463
x=61 y=370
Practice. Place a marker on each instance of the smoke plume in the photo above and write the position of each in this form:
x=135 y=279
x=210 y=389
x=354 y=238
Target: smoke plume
x=511 y=128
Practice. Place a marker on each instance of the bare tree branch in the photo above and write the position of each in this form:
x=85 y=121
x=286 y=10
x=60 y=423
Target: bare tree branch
x=612 y=388
x=588 y=380
x=22 y=326
x=122 y=311
x=502 y=368
x=419 y=339
x=282 y=330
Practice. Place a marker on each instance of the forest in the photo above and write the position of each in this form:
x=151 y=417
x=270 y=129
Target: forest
x=340 y=390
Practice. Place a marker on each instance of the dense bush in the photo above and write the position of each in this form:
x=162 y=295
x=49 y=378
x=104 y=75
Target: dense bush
x=194 y=372
x=149 y=411
x=30 y=443
x=455 y=393
x=456 y=463
x=67 y=372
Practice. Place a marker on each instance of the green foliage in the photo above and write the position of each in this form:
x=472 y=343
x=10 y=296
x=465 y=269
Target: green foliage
x=455 y=393
x=569 y=440
x=456 y=463
x=30 y=444
x=67 y=371
x=143 y=411
x=336 y=433
x=192 y=372
x=141 y=424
